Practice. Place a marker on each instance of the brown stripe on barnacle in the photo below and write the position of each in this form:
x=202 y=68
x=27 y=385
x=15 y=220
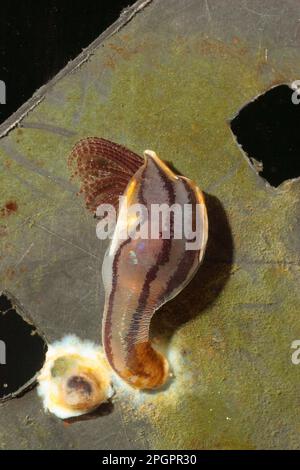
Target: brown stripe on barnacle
x=167 y=184
x=138 y=319
x=108 y=315
x=184 y=267
x=140 y=194
x=188 y=256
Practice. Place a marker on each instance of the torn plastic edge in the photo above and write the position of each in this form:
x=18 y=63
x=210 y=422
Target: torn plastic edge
x=31 y=383
x=285 y=185
x=125 y=17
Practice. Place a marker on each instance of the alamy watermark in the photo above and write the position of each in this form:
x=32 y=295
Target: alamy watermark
x=158 y=221
x=2 y=352
x=296 y=354
x=296 y=94
x=2 y=92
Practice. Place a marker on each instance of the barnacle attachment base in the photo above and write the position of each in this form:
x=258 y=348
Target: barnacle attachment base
x=147 y=367
x=75 y=378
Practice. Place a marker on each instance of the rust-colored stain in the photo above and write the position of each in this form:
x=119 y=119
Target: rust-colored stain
x=220 y=48
x=9 y=208
x=109 y=63
x=122 y=51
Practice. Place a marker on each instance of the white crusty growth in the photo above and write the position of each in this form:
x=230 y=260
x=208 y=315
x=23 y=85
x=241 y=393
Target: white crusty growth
x=75 y=378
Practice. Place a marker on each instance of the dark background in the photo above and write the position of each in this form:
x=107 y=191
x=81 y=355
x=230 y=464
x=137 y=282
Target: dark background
x=38 y=38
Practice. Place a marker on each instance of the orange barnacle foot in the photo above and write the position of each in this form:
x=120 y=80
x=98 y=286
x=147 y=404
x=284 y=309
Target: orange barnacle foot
x=147 y=368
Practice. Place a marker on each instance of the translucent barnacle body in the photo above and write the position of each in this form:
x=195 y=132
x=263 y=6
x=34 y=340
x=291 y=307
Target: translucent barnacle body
x=140 y=273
